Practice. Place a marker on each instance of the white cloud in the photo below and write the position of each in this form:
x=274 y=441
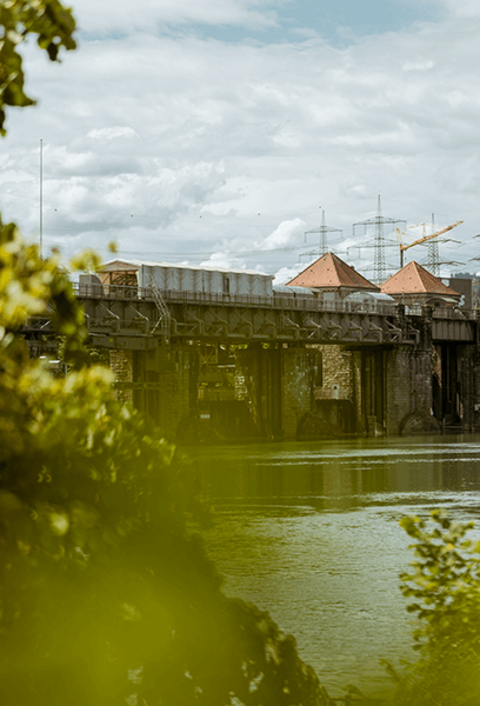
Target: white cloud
x=463 y=8
x=282 y=236
x=180 y=147
x=112 y=133
x=109 y=17
x=224 y=261
x=285 y=274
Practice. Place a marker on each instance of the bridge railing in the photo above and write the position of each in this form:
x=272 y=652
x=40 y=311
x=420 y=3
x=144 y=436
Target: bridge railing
x=276 y=301
x=295 y=302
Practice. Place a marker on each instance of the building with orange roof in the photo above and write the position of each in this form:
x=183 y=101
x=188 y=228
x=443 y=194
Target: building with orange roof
x=331 y=275
x=415 y=286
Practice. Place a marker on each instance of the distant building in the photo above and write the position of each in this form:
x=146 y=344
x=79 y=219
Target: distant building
x=330 y=278
x=415 y=286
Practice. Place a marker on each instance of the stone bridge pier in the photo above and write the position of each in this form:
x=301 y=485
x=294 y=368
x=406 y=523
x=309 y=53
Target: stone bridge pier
x=160 y=382
x=213 y=392
x=428 y=387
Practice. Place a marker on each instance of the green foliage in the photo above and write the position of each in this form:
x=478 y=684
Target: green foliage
x=445 y=585
x=50 y=22
x=30 y=286
x=105 y=597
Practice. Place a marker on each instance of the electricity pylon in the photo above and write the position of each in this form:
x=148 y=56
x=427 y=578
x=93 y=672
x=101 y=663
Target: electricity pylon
x=433 y=255
x=379 y=265
x=322 y=230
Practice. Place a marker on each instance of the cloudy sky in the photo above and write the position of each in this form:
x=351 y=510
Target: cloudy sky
x=217 y=131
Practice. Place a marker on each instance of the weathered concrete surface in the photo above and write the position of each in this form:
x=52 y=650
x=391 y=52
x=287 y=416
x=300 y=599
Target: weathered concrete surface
x=279 y=383
x=476 y=381
x=164 y=385
x=260 y=370
x=408 y=389
x=299 y=368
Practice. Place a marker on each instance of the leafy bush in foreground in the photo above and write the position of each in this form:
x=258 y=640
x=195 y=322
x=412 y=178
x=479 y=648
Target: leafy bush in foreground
x=105 y=598
x=445 y=585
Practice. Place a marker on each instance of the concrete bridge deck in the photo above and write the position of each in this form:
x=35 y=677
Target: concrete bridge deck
x=129 y=317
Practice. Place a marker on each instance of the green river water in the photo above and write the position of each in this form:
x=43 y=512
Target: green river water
x=310 y=532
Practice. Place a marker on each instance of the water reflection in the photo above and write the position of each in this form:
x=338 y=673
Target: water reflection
x=310 y=532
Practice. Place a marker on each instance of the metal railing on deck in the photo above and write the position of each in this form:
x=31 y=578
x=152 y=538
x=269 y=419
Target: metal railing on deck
x=275 y=301
x=295 y=302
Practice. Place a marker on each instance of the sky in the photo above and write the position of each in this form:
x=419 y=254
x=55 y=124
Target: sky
x=218 y=132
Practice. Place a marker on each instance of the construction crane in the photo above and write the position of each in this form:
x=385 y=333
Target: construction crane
x=420 y=241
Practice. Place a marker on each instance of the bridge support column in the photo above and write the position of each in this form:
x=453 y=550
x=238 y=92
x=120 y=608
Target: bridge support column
x=409 y=388
x=164 y=384
x=372 y=391
x=298 y=387
x=467 y=375
x=457 y=385
x=476 y=377
x=261 y=371
x=279 y=384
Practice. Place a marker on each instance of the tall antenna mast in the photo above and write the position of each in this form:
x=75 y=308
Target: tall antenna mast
x=322 y=230
x=379 y=265
x=41 y=198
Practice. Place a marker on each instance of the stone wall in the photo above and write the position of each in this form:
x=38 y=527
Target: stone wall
x=341 y=379
x=337 y=375
x=121 y=365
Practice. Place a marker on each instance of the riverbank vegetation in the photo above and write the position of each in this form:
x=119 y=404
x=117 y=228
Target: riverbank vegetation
x=105 y=595
x=444 y=583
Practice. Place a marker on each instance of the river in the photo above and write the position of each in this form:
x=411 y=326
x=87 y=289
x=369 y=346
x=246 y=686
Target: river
x=310 y=532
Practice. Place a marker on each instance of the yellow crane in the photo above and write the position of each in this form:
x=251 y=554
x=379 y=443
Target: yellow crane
x=421 y=240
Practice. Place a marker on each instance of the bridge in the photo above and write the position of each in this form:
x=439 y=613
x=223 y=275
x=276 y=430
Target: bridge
x=284 y=367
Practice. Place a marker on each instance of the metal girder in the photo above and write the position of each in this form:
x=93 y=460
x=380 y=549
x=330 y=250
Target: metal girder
x=132 y=320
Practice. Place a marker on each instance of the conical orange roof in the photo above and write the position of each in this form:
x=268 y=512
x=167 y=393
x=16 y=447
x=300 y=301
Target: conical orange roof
x=415 y=279
x=330 y=271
